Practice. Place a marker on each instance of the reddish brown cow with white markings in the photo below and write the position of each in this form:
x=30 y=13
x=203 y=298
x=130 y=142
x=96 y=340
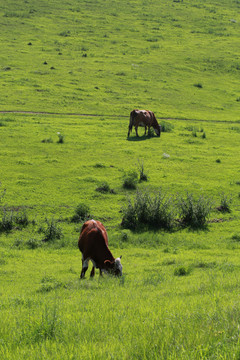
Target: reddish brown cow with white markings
x=93 y=244
x=143 y=118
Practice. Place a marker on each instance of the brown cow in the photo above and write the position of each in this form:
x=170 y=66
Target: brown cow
x=93 y=244
x=143 y=118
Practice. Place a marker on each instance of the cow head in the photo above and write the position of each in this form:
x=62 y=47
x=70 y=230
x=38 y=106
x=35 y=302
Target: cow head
x=114 y=267
x=157 y=130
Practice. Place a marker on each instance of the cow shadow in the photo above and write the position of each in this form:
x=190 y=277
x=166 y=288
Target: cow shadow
x=139 y=138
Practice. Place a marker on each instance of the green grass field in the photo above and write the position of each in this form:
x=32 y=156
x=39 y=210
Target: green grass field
x=179 y=294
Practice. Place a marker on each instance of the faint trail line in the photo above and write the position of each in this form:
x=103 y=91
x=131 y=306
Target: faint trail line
x=111 y=116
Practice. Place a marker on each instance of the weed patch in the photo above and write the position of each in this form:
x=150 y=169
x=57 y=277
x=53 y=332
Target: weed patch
x=130 y=180
x=193 y=211
x=51 y=231
x=82 y=212
x=225 y=203
x=154 y=211
x=182 y=271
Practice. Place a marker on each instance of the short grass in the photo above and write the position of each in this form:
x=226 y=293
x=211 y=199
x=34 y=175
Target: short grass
x=171 y=303
x=181 y=59
x=179 y=295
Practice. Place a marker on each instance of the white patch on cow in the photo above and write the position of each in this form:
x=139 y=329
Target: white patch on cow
x=156 y=131
x=118 y=265
x=85 y=263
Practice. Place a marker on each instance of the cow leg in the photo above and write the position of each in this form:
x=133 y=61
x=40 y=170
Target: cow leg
x=92 y=272
x=100 y=272
x=136 y=131
x=84 y=268
x=145 y=130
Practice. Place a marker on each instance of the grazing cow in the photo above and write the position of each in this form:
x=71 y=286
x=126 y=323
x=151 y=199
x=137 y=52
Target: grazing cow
x=143 y=118
x=93 y=244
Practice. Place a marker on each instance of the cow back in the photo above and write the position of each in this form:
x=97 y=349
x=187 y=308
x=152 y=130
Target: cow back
x=93 y=242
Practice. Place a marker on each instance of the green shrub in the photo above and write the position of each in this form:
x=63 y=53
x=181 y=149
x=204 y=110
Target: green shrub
x=103 y=188
x=142 y=175
x=18 y=243
x=130 y=179
x=161 y=212
x=225 y=203
x=194 y=211
x=7 y=222
x=52 y=231
x=181 y=271
x=166 y=126
x=21 y=218
x=236 y=237
x=99 y=165
x=129 y=220
x=33 y=243
x=82 y=212
x=153 y=212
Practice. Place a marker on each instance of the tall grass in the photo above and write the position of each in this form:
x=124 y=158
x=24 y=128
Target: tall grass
x=151 y=211
x=194 y=211
x=158 y=211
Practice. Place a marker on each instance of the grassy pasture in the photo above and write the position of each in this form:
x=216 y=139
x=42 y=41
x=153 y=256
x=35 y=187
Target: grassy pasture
x=179 y=296
x=102 y=57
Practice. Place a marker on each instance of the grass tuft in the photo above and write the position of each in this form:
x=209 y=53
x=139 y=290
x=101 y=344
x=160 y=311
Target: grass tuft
x=194 y=211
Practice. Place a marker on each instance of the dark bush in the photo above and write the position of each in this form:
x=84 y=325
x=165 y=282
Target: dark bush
x=225 y=203
x=194 y=211
x=7 y=222
x=21 y=218
x=82 y=213
x=181 y=271
x=129 y=220
x=130 y=179
x=33 y=243
x=142 y=175
x=166 y=126
x=153 y=212
x=236 y=237
x=103 y=188
x=52 y=231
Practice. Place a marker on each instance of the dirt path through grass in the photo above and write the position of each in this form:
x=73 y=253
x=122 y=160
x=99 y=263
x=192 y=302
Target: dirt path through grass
x=110 y=116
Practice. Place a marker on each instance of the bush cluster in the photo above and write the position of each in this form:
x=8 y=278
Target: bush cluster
x=148 y=211
x=159 y=211
x=11 y=219
x=130 y=180
x=52 y=231
x=194 y=211
x=82 y=212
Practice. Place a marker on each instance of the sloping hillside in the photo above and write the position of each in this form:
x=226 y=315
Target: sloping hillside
x=179 y=58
